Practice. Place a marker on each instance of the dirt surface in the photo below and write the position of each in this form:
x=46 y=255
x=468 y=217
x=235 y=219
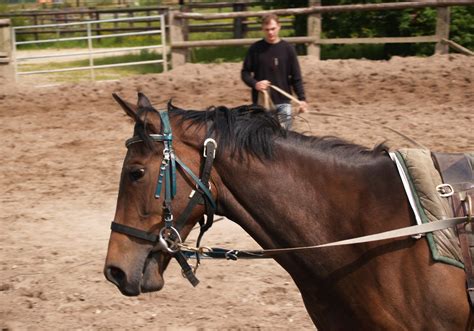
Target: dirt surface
x=62 y=149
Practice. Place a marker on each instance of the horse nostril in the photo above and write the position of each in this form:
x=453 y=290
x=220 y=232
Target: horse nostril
x=115 y=275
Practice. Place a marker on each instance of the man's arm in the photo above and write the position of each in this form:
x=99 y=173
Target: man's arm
x=296 y=78
x=297 y=81
x=246 y=73
x=247 y=69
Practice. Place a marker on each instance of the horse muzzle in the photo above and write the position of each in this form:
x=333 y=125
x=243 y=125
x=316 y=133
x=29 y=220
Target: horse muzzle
x=140 y=275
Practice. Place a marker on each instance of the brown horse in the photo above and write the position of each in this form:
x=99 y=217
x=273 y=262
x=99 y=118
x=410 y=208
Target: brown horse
x=286 y=190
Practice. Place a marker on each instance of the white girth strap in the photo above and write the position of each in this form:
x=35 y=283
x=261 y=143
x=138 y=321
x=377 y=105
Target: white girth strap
x=408 y=190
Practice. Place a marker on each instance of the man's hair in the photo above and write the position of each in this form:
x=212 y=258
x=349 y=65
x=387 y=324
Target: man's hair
x=267 y=18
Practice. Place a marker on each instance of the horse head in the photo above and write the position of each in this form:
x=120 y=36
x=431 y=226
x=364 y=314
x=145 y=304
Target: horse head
x=146 y=231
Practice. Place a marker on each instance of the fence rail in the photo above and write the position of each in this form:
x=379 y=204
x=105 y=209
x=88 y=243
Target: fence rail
x=39 y=18
x=90 y=52
x=220 y=5
x=306 y=40
x=328 y=9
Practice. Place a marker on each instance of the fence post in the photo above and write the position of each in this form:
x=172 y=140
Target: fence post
x=35 y=22
x=90 y=48
x=239 y=25
x=98 y=32
x=177 y=33
x=6 y=55
x=314 y=30
x=442 y=29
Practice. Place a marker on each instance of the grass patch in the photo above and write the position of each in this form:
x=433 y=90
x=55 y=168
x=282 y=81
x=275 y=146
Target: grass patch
x=100 y=74
x=218 y=54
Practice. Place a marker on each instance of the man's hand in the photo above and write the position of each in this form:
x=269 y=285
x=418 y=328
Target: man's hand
x=302 y=107
x=262 y=85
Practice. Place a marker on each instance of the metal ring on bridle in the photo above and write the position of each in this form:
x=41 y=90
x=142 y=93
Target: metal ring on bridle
x=164 y=243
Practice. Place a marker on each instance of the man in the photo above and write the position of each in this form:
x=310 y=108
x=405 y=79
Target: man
x=273 y=61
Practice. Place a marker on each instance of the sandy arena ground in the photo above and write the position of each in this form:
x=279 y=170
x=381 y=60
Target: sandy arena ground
x=61 y=154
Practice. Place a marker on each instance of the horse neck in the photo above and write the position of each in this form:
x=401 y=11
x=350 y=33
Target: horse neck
x=306 y=197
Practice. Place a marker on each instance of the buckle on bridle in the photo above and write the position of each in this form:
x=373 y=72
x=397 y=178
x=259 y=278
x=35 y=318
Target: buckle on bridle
x=209 y=140
x=232 y=255
x=467 y=205
x=166 y=154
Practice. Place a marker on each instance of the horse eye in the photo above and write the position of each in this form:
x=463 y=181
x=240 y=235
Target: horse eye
x=136 y=174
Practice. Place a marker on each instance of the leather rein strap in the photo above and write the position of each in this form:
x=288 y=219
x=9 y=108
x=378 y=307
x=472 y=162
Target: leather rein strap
x=168 y=240
x=234 y=254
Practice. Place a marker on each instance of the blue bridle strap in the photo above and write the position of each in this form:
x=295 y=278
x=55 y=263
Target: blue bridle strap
x=168 y=167
x=174 y=160
x=168 y=174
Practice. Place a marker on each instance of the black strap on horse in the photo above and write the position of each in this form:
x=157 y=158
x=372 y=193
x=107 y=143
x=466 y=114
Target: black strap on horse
x=200 y=197
x=209 y=154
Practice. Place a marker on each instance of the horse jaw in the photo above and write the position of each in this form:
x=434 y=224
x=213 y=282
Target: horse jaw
x=152 y=278
x=137 y=272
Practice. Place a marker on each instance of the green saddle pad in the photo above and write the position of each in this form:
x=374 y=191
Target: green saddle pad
x=423 y=179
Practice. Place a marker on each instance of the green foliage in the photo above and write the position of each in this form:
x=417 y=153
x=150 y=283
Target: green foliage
x=150 y=2
x=384 y=23
x=371 y=52
x=299 y=21
x=462 y=26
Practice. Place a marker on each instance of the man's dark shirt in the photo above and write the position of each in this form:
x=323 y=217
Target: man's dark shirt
x=277 y=63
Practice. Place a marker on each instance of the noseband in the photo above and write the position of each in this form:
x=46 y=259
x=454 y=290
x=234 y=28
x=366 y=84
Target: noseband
x=168 y=239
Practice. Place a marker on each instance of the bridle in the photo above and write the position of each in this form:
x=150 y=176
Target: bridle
x=168 y=240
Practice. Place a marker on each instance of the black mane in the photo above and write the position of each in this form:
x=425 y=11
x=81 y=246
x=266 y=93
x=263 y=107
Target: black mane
x=245 y=128
x=253 y=130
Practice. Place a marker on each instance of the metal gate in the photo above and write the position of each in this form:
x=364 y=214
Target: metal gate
x=90 y=52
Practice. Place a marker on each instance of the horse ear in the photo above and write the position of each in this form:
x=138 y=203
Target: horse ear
x=170 y=105
x=143 y=101
x=130 y=109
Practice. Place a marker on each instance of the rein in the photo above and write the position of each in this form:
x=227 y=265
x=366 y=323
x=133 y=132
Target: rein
x=315 y=113
x=234 y=254
x=168 y=239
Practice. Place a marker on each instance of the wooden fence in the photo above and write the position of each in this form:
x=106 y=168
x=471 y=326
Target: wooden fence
x=180 y=44
x=179 y=28
x=239 y=27
x=41 y=17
